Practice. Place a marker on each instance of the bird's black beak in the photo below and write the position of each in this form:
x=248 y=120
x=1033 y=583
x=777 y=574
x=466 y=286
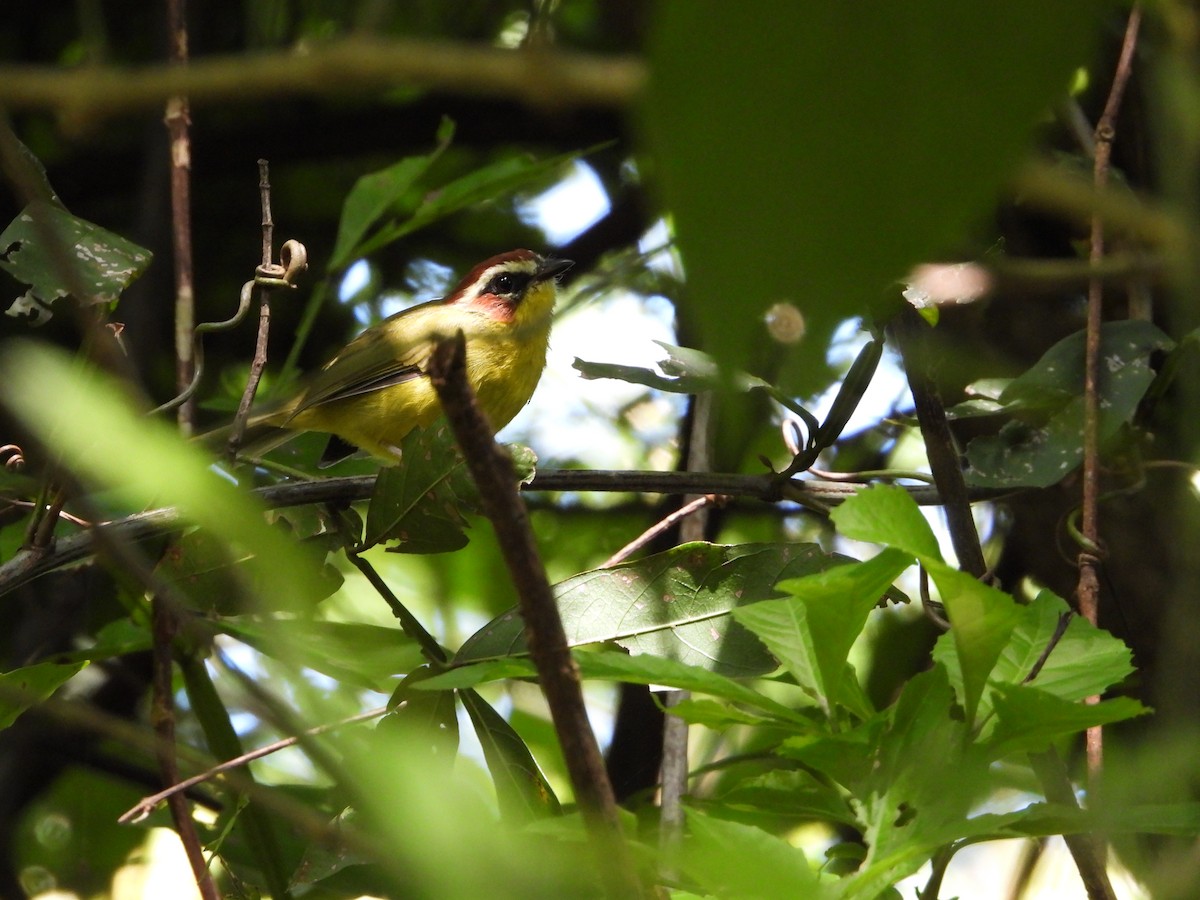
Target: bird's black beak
x=552 y=268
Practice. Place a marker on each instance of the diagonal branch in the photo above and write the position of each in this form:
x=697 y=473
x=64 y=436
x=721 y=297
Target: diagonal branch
x=492 y=469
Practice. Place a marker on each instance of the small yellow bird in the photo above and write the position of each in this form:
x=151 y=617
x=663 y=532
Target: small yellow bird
x=376 y=390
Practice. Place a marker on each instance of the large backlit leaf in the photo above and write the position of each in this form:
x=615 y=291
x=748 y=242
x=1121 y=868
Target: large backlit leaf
x=674 y=604
x=867 y=144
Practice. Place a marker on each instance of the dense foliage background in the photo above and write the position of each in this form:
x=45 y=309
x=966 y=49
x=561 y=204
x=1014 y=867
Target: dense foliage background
x=753 y=186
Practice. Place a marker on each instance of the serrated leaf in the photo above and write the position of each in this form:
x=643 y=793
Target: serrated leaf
x=1029 y=720
x=1085 y=661
x=812 y=630
x=32 y=247
x=886 y=514
x=674 y=604
x=982 y=620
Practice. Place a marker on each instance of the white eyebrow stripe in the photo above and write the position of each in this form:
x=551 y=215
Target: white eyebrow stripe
x=480 y=283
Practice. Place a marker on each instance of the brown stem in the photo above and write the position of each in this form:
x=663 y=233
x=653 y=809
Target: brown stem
x=259 y=363
x=178 y=122
x=659 y=527
x=939 y=444
x=163 y=716
x=146 y=805
x=558 y=674
x=29 y=563
x=1088 y=589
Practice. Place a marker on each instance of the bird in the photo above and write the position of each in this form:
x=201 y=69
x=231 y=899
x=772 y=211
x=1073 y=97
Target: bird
x=376 y=389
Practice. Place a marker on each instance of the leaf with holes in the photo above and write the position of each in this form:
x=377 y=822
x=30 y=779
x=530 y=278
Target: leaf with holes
x=43 y=239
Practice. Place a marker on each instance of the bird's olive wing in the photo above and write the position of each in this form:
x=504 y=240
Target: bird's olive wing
x=390 y=353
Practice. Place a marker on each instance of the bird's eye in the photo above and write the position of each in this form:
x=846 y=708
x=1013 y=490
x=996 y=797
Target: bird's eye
x=509 y=284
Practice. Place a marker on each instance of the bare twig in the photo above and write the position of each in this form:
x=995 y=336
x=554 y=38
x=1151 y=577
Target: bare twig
x=146 y=805
x=1056 y=784
x=163 y=718
x=29 y=563
x=939 y=445
x=267 y=268
x=663 y=524
x=675 y=729
x=1088 y=590
x=85 y=97
x=558 y=674
x=178 y=122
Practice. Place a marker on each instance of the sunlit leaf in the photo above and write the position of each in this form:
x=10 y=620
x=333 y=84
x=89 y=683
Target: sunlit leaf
x=23 y=688
x=674 y=604
x=811 y=631
x=1037 y=453
x=35 y=245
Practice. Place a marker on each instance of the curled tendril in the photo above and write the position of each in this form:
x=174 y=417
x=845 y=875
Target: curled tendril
x=793 y=437
x=13 y=457
x=293 y=257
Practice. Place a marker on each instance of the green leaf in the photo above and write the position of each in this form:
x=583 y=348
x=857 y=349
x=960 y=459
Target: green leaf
x=674 y=604
x=521 y=789
x=420 y=502
x=480 y=186
x=982 y=620
x=367 y=656
x=714 y=715
x=790 y=794
x=25 y=687
x=85 y=417
x=775 y=198
x=376 y=194
x=811 y=631
x=611 y=665
x=730 y=860
x=886 y=514
x=32 y=250
x=1085 y=661
x=1030 y=720
x=1038 y=455
x=910 y=803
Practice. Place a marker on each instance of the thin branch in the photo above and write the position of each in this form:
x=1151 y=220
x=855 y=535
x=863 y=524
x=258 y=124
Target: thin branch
x=146 y=805
x=663 y=524
x=85 y=97
x=267 y=268
x=178 y=122
x=558 y=673
x=1057 y=786
x=676 y=733
x=163 y=718
x=29 y=563
x=939 y=444
x=1088 y=590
